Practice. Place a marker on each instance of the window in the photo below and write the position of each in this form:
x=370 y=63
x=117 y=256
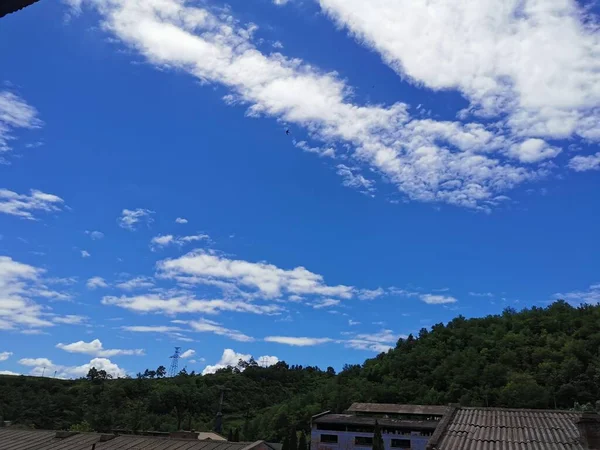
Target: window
x=329 y=438
x=362 y=441
x=401 y=443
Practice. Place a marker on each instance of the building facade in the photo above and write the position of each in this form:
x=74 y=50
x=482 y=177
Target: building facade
x=402 y=427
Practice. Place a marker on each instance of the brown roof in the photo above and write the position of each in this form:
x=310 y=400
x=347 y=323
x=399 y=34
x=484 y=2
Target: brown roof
x=350 y=419
x=510 y=429
x=391 y=408
x=15 y=439
x=10 y=6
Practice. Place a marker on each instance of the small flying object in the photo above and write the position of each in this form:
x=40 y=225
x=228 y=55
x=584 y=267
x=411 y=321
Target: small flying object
x=287 y=132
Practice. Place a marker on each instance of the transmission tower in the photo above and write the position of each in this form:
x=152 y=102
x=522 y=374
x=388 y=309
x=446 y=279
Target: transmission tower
x=175 y=363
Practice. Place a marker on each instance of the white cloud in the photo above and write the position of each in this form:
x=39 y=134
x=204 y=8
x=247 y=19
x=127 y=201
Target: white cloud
x=8 y=372
x=188 y=353
x=231 y=358
x=355 y=180
x=584 y=163
x=297 y=341
x=280 y=2
x=481 y=294
x=136 y=283
x=590 y=296
x=85 y=254
x=432 y=299
x=15 y=113
x=371 y=294
x=19 y=285
x=208 y=326
x=96 y=282
x=151 y=329
x=94 y=235
x=532 y=151
x=176 y=304
x=131 y=218
x=533 y=62
x=181 y=220
x=45 y=366
x=199 y=267
x=169 y=239
x=326 y=303
x=70 y=319
x=461 y=164
x=353 y=322
x=95 y=348
x=23 y=205
x=5 y=355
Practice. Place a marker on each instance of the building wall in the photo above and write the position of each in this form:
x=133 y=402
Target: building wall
x=346 y=440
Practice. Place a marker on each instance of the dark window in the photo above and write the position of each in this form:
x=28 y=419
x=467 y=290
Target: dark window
x=362 y=441
x=400 y=443
x=329 y=438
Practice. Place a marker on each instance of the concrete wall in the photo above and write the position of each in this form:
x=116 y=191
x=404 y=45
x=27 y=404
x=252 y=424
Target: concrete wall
x=346 y=440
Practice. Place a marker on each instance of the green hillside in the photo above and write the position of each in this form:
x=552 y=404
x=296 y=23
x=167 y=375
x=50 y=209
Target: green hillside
x=536 y=358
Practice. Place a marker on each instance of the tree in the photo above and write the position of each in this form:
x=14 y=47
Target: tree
x=92 y=374
x=293 y=440
x=230 y=435
x=302 y=444
x=236 y=435
x=377 y=438
x=161 y=371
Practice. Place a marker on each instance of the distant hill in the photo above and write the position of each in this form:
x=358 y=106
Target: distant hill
x=535 y=358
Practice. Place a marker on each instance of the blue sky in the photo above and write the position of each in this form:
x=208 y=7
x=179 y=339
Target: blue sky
x=441 y=160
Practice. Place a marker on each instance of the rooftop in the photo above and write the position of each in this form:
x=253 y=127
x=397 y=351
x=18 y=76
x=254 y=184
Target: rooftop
x=350 y=419
x=10 y=6
x=16 y=439
x=390 y=408
x=513 y=429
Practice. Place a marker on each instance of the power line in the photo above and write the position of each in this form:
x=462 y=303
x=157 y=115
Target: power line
x=175 y=362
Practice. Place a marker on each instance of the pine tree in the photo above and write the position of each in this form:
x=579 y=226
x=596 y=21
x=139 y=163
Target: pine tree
x=302 y=442
x=377 y=438
x=293 y=439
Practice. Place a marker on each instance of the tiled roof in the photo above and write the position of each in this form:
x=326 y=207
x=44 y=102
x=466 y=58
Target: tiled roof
x=349 y=419
x=507 y=429
x=14 y=439
x=10 y=6
x=391 y=408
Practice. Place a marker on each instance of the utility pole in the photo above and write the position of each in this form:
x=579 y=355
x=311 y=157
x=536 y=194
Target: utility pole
x=175 y=362
x=43 y=371
x=219 y=418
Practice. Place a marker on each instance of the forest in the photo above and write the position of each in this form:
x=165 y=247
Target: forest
x=534 y=358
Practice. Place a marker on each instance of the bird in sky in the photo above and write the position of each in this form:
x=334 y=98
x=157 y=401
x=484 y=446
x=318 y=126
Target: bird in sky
x=287 y=132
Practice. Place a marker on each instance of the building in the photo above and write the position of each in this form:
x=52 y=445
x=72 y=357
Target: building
x=516 y=429
x=18 y=439
x=402 y=427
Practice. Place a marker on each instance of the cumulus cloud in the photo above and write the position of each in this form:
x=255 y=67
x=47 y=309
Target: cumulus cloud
x=584 y=163
x=5 y=355
x=45 y=366
x=96 y=282
x=532 y=151
x=432 y=299
x=15 y=113
x=20 y=284
x=94 y=235
x=459 y=163
x=298 y=341
x=168 y=239
x=131 y=218
x=136 y=283
x=271 y=281
x=23 y=205
x=188 y=353
x=8 y=372
x=231 y=358
x=95 y=348
x=181 y=220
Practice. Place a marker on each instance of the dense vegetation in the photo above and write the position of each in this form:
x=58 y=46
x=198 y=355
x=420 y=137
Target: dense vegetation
x=537 y=358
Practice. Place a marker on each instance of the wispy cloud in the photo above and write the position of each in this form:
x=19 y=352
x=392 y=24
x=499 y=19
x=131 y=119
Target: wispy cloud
x=585 y=163
x=23 y=205
x=188 y=353
x=432 y=299
x=168 y=239
x=85 y=254
x=131 y=218
x=208 y=326
x=96 y=282
x=5 y=355
x=95 y=235
x=136 y=283
x=15 y=113
x=590 y=296
x=298 y=341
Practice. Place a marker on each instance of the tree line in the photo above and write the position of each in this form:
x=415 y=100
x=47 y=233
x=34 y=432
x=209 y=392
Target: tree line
x=535 y=358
